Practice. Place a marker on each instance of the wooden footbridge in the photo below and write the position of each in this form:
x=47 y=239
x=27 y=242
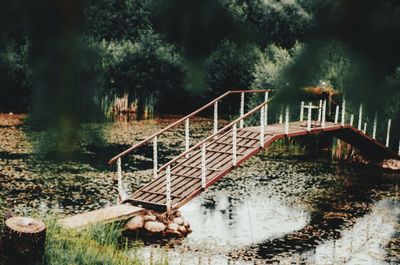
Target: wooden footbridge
x=202 y=164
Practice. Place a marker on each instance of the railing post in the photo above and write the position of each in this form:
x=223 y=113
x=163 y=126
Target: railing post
x=375 y=125
x=398 y=152
x=168 y=187
x=155 y=158
x=337 y=114
x=203 y=166
x=266 y=109
x=351 y=119
x=365 y=128
x=215 y=117
x=187 y=135
x=343 y=120
x=262 y=127
x=302 y=111
x=287 y=120
x=281 y=115
x=309 y=117
x=234 y=126
x=241 y=109
x=360 y=112
x=323 y=114
x=388 y=132
x=320 y=110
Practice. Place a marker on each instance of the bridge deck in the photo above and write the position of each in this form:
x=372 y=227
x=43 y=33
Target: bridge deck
x=186 y=173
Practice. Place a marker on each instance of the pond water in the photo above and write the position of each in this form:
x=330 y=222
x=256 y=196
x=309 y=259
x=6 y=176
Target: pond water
x=278 y=208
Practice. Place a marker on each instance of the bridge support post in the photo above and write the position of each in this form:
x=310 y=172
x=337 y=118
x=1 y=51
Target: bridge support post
x=343 y=120
x=309 y=117
x=360 y=112
x=266 y=108
x=234 y=144
x=388 y=132
x=365 y=128
x=337 y=114
x=351 y=119
x=323 y=121
x=155 y=157
x=286 y=120
x=241 y=109
x=320 y=110
x=187 y=135
x=215 y=117
x=203 y=166
x=375 y=124
x=168 y=187
x=262 y=127
x=302 y=111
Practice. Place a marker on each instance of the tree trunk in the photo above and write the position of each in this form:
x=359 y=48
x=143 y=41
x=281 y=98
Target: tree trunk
x=24 y=238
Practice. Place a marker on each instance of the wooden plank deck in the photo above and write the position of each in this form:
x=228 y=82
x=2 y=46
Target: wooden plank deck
x=186 y=173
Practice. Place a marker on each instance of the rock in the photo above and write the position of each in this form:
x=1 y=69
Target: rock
x=173 y=226
x=178 y=220
x=135 y=223
x=392 y=164
x=172 y=233
x=182 y=230
x=186 y=224
x=177 y=213
x=189 y=230
x=150 y=218
x=154 y=226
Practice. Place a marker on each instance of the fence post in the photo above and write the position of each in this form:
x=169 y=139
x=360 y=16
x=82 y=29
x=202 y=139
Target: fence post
x=203 y=166
x=320 y=110
x=323 y=114
x=241 y=109
x=337 y=114
x=351 y=119
x=360 y=112
x=262 y=127
x=266 y=108
x=309 y=117
x=234 y=126
x=375 y=124
x=343 y=120
x=302 y=111
x=365 y=128
x=168 y=187
x=215 y=117
x=388 y=132
x=187 y=135
x=155 y=157
x=287 y=120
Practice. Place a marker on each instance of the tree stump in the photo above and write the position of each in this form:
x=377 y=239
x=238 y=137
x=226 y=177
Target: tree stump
x=24 y=238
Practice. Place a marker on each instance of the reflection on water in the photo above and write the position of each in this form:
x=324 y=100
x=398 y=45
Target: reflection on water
x=291 y=210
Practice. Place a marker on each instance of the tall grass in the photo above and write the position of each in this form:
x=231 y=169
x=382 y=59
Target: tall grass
x=98 y=244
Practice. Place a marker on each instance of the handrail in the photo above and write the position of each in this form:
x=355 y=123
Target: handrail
x=211 y=103
x=218 y=132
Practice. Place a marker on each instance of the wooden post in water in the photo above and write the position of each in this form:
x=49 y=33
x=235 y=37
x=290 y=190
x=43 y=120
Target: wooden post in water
x=168 y=187
x=266 y=109
x=302 y=111
x=309 y=117
x=234 y=144
x=320 y=110
x=323 y=121
x=375 y=124
x=286 y=120
x=203 y=166
x=241 y=109
x=360 y=112
x=215 y=117
x=388 y=132
x=351 y=119
x=337 y=114
x=343 y=120
x=155 y=157
x=187 y=135
x=262 y=127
